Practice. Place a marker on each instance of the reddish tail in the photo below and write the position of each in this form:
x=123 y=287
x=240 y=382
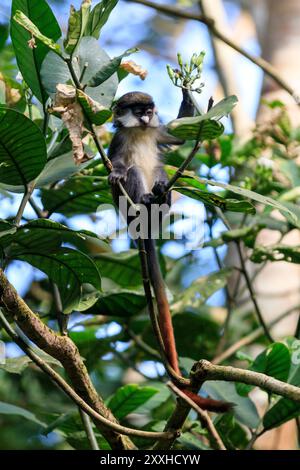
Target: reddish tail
x=166 y=328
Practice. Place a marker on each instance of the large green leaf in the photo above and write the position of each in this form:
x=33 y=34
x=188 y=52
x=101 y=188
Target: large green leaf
x=8 y=409
x=98 y=17
x=108 y=69
x=205 y=126
x=122 y=268
x=88 y=51
x=68 y=268
x=96 y=113
x=30 y=60
x=276 y=253
x=34 y=233
x=79 y=195
x=22 y=148
x=119 y=303
x=274 y=361
x=284 y=409
x=213 y=200
x=128 y=398
x=16 y=365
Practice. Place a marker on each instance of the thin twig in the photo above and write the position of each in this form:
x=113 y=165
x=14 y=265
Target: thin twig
x=252 y=293
x=251 y=337
x=27 y=194
x=206 y=422
x=87 y=424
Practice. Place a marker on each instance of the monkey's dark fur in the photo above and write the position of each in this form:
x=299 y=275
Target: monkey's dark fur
x=134 y=153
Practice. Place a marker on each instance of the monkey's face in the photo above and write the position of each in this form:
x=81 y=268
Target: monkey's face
x=136 y=110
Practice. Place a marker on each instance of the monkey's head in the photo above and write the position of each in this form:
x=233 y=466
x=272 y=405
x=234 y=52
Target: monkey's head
x=136 y=109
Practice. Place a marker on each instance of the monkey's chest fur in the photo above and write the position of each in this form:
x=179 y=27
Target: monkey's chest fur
x=143 y=154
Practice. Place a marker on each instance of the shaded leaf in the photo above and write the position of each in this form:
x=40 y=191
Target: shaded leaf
x=8 y=409
x=119 y=303
x=22 y=148
x=128 y=398
x=88 y=52
x=122 y=268
x=108 y=69
x=68 y=268
x=79 y=195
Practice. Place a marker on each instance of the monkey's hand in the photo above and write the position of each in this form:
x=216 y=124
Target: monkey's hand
x=117 y=176
x=160 y=191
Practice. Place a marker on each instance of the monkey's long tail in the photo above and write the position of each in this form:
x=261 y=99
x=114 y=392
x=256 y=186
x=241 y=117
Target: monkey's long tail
x=166 y=328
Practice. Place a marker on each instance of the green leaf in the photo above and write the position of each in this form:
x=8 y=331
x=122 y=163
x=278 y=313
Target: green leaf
x=77 y=24
x=6 y=228
x=98 y=17
x=286 y=209
x=34 y=233
x=284 y=409
x=200 y=290
x=16 y=365
x=30 y=60
x=108 y=69
x=24 y=21
x=122 y=268
x=128 y=398
x=205 y=126
x=231 y=432
x=96 y=113
x=79 y=195
x=274 y=361
x=276 y=253
x=119 y=302
x=213 y=200
x=22 y=148
x=68 y=268
x=88 y=52
x=8 y=409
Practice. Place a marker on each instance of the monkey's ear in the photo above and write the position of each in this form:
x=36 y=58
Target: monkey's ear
x=164 y=138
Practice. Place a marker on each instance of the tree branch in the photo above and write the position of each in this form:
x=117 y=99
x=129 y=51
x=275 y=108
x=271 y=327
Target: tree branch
x=209 y=22
x=64 y=350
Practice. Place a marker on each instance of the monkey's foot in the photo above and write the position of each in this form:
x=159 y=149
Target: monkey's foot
x=159 y=188
x=147 y=199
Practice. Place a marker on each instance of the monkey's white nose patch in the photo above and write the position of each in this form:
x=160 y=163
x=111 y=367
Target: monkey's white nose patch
x=145 y=119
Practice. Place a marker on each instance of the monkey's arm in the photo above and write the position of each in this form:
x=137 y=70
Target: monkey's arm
x=118 y=159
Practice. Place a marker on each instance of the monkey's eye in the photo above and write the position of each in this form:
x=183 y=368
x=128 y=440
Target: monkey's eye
x=138 y=112
x=149 y=112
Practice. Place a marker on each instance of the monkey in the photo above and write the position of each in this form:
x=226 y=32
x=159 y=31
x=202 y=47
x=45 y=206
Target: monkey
x=137 y=165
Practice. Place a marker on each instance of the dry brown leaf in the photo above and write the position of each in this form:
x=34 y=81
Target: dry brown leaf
x=66 y=105
x=131 y=67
